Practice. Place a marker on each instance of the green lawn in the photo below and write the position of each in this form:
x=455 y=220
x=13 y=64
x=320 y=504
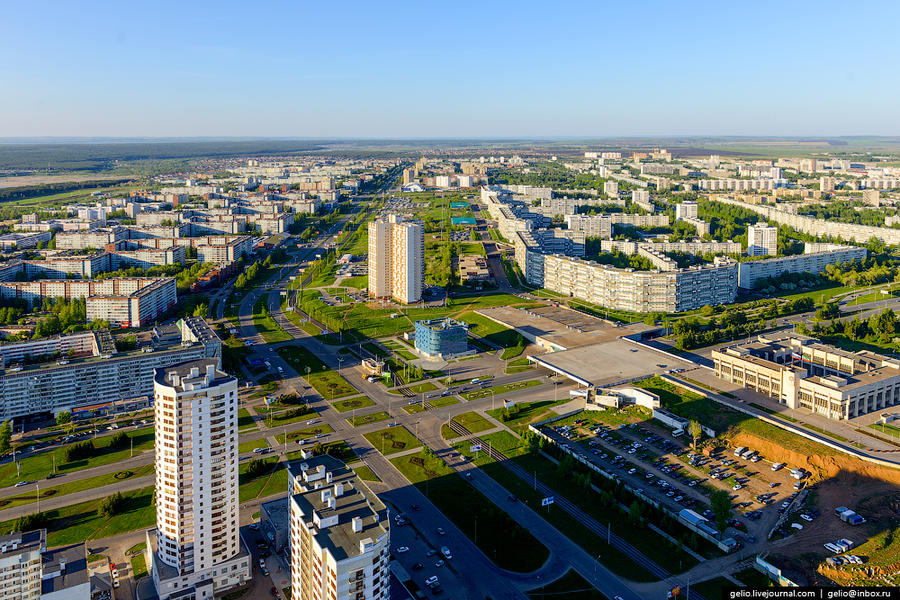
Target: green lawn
x=365 y=473
x=270 y=331
x=138 y=566
x=245 y=420
x=570 y=586
x=503 y=441
x=252 y=487
x=414 y=408
x=391 y=440
x=501 y=389
x=288 y=416
x=525 y=413
x=503 y=540
x=40 y=465
x=369 y=418
x=473 y=421
x=518 y=365
x=349 y=404
x=445 y=401
x=495 y=333
x=79 y=522
x=328 y=383
x=251 y=445
x=419 y=388
x=306 y=432
x=58 y=487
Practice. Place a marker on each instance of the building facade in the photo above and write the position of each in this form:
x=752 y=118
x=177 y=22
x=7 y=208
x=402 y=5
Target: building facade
x=396 y=259
x=813 y=260
x=196 y=549
x=442 y=337
x=339 y=536
x=762 y=240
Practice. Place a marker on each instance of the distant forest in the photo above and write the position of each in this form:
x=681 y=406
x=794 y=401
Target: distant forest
x=103 y=156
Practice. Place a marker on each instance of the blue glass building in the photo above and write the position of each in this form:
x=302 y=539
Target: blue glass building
x=442 y=337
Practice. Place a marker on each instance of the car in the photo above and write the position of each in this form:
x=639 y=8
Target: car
x=431 y=580
x=774 y=484
x=21 y=483
x=806 y=517
x=402 y=549
x=439 y=563
x=259 y=450
x=254 y=525
x=441 y=531
x=418 y=566
x=737 y=487
x=431 y=552
x=785 y=504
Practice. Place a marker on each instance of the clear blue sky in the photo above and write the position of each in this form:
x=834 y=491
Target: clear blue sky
x=447 y=69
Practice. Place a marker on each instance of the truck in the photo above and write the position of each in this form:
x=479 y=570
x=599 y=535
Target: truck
x=446 y=552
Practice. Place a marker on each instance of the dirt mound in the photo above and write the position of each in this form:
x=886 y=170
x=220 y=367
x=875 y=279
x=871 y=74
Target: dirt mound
x=822 y=466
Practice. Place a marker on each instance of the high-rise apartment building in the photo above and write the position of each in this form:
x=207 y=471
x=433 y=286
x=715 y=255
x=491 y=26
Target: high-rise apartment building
x=396 y=259
x=686 y=210
x=339 y=534
x=826 y=183
x=762 y=240
x=195 y=550
x=611 y=188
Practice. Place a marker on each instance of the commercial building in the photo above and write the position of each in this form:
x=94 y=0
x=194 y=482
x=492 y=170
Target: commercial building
x=340 y=533
x=762 y=240
x=801 y=372
x=91 y=377
x=28 y=571
x=196 y=551
x=814 y=259
x=473 y=267
x=396 y=259
x=123 y=301
x=442 y=338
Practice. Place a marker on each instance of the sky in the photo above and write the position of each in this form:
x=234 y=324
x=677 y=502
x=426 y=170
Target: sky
x=448 y=68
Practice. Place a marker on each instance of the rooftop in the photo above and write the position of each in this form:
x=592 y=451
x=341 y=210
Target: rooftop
x=194 y=374
x=63 y=568
x=23 y=542
x=343 y=513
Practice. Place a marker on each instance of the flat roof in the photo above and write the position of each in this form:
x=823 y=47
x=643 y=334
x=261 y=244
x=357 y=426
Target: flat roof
x=67 y=564
x=608 y=363
x=357 y=500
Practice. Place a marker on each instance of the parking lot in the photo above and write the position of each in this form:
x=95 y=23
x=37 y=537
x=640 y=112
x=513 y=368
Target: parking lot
x=664 y=469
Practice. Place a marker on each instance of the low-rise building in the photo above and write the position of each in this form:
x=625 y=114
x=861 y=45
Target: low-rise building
x=442 y=338
x=801 y=372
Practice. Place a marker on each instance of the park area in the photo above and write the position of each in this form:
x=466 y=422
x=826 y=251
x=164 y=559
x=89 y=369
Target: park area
x=327 y=382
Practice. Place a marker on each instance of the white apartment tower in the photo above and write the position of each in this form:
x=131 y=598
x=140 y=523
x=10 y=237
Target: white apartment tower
x=196 y=550
x=339 y=534
x=686 y=210
x=396 y=259
x=611 y=189
x=762 y=240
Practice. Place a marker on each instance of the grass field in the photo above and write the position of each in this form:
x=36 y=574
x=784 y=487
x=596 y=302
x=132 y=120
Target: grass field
x=570 y=586
x=325 y=381
x=306 y=432
x=503 y=540
x=40 y=465
x=501 y=389
x=79 y=522
x=138 y=566
x=445 y=401
x=473 y=421
x=369 y=418
x=365 y=473
x=391 y=440
x=349 y=404
x=492 y=332
x=418 y=388
x=528 y=412
x=245 y=420
x=59 y=487
x=250 y=445
x=270 y=331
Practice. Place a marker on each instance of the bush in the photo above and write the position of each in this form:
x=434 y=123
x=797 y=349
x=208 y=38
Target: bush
x=120 y=440
x=80 y=451
x=112 y=505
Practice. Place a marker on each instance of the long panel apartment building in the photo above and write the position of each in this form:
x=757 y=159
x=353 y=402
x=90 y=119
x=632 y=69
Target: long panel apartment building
x=90 y=375
x=815 y=257
x=802 y=372
x=123 y=301
x=673 y=290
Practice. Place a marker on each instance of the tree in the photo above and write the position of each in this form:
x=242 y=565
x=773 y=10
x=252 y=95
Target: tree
x=64 y=418
x=720 y=503
x=256 y=467
x=5 y=436
x=112 y=505
x=695 y=430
